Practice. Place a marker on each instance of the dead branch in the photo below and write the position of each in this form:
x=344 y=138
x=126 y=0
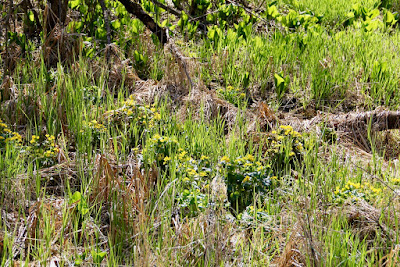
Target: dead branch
x=168 y=8
x=180 y=59
x=247 y=10
x=379 y=121
x=136 y=9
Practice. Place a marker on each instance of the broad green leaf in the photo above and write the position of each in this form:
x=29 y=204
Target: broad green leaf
x=373 y=13
x=389 y=18
x=76 y=197
x=116 y=24
x=278 y=79
x=31 y=16
x=164 y=23
x=273 y=11
x=74 y=3
x=98 y=256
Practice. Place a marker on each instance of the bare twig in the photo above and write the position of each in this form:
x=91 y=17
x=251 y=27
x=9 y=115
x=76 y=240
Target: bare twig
x=168 y=8
x=247 y=10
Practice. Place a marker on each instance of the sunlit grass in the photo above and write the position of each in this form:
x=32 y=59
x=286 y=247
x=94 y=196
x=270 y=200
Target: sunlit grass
x=92 y=173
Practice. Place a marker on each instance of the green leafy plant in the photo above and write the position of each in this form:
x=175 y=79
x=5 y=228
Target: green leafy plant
x=44 y=151
x=8 y=136
x=233 y=95
x=80 y=203
x=285 y=147
x=132 y=117
x=281 y=84
x=294 y=20
x=192 y=202
x=356 y=191
x=245 y=178
x=94 y=130
x=271 y=12
x=390 y=19
x=98 y=256
x=161 y=148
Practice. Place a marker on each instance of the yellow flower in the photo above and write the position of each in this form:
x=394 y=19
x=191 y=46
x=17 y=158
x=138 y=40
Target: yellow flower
x=286 y=127
x=50 y=137
x=34 y=139
x=291 y=154
x=246 y=179
x=249 y=157
x=182 y=155
x=157 y=116
x=225 y=159
x=203 y=174
x=287 y=132
x=191 y=172
x=248 y=165
x=396 y=180
x=296 y=134
x=203 y=157
x=238 y=161
x=337 y=190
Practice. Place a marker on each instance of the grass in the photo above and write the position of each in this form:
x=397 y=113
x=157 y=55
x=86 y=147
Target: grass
x=97 y=169
x=333 y=11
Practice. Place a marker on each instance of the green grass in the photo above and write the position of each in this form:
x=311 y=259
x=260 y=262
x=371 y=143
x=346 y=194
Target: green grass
x=110 y=172
x=333 y=11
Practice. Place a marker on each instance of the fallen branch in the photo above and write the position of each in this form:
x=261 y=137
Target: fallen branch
x=180 y=59
x=379 y=121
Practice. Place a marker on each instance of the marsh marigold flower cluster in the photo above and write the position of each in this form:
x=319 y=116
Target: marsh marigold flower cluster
x=232 y=95
x=44 y=151
x=352 y=190
x=132 y=112
x=285 y=145
x=8 y=136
